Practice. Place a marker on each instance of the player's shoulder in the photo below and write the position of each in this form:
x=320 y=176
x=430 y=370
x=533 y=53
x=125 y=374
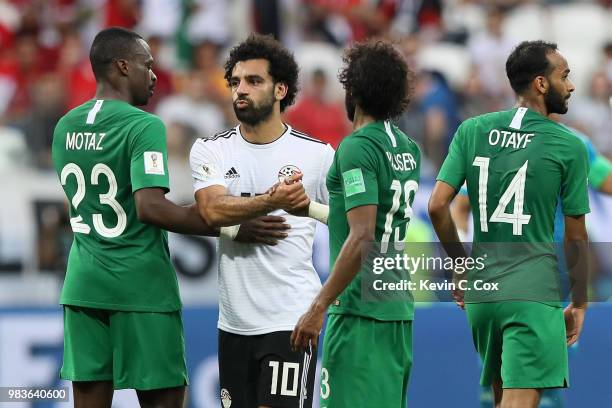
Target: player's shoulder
x=566 y=136
x=219 y=137
x=378 y=135
x=215 y=144
x=489 y=119
x=305 y=139
x=75 y=114
x=140 y=116
x=404 y=138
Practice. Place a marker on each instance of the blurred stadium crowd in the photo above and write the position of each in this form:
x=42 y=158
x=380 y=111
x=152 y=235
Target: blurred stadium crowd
x=457 y=48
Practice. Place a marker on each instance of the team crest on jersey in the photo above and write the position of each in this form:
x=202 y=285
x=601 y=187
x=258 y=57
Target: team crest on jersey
x=226 y=399
x=287 y=171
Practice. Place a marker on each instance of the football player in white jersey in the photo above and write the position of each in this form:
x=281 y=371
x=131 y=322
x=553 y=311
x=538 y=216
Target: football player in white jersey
x=263 y=289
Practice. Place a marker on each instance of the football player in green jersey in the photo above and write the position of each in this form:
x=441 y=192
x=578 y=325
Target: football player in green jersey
x=367 y=349
x=122 y=310
x=516 y=165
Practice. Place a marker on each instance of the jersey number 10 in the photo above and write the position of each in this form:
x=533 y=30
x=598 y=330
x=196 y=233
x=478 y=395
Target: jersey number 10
x=107 y=199
x=516 y=189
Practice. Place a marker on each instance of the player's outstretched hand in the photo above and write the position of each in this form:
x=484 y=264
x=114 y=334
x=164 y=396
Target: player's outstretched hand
x=306 y=332
x=290 y=195
x=574 y=319
x=268 y=230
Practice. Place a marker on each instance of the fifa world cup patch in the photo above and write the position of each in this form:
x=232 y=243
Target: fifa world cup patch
x=154 y=163
x=206 y=171
x=353 y=182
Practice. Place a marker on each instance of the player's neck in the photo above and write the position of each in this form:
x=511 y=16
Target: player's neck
x=361 y=119
x=534 y=104
x=106 y=91
x=264 y=132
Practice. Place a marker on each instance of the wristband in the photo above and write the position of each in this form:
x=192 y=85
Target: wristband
x=229 y=232
x=318 y=211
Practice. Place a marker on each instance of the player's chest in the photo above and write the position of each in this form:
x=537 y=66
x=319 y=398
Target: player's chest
x=249 y=173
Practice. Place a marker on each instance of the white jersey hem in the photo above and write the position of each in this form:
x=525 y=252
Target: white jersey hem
x=256 y=332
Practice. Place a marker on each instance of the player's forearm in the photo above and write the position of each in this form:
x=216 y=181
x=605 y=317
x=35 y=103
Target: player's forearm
x=446 y=230
x=577 y=260
x=345 y=269
x=171 y=217
x=225 y=210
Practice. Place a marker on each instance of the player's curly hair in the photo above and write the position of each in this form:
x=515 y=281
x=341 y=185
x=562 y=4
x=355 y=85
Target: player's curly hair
x=283 y=67
x=377 y=78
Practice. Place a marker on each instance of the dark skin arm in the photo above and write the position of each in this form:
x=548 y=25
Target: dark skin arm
x=577 y=256
x=154 y=208
x=440 y=214
x=362 y=224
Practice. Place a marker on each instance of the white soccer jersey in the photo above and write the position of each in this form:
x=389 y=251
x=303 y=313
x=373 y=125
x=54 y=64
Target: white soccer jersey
x=264 y=288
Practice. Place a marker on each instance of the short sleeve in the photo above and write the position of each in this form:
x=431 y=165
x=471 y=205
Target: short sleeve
x=206 y=165
x=328 y=159
x=574 y=185
x=358 y=168
x=149 y=156
x=453 y=169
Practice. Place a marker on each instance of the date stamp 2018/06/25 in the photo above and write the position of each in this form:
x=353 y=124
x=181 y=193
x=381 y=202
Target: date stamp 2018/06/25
x=25 y=394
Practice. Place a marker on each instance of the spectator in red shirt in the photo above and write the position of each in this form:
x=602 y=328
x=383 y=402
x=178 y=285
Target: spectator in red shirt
x=316 y=115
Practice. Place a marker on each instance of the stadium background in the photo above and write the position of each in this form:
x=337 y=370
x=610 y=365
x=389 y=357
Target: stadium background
x=458 y=50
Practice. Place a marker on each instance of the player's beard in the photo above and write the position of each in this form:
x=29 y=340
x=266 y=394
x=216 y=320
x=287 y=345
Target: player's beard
x=349 y=104
x=254 y=114
x=555 y=102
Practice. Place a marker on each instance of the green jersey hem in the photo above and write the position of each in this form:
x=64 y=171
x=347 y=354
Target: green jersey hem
x=577 y=211
x=123 y=308
x=456 y=187
x=383 y=318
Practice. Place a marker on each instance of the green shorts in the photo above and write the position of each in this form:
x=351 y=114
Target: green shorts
x=366 y=362
x=140 y=350
x=521 y=343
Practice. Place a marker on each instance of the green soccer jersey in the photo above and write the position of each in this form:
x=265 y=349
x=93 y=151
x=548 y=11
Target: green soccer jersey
x=375 y=165
x=516 y=165
x=103 y=152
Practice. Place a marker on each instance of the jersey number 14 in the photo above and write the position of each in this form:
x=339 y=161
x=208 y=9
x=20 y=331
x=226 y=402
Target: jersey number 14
x=515 y=190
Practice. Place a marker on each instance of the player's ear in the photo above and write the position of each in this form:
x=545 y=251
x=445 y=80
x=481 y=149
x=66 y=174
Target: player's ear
x=280 y=90
x=542 y=84
x=122 y=66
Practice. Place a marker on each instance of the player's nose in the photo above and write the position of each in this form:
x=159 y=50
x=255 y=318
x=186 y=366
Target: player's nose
x=242 y=88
